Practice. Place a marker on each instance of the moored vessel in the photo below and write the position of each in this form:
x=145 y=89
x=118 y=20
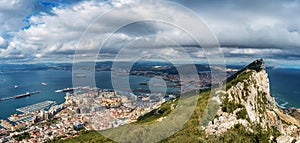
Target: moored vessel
x=22 y=95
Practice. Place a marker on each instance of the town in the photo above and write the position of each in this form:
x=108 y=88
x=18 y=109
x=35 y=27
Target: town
x=82 y=109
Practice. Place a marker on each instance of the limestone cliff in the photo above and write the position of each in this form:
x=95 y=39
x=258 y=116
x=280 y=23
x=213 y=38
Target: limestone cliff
x=248 y=102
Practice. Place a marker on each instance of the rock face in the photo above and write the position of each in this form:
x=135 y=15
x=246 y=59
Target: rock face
x=248 y=102
x=293 y=112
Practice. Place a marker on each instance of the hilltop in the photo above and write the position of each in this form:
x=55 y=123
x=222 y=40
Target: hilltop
x=245 y=112
x=248 y=102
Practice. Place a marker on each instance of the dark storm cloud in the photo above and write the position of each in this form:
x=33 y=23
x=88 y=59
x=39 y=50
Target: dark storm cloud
x=269 y=28
x=258 y=23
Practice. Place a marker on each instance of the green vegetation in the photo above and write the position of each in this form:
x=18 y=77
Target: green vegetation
x=56 y=139
x=22 y=136
x=261 y=100
x=239 y=134
x=230 y=106
x=242 y=114
x=257 y=65
x=49 y=122
x=155 y=114
x=274 y=132
x=210 y=113
x=191 y=132
x=244 y=75
x=84 y=137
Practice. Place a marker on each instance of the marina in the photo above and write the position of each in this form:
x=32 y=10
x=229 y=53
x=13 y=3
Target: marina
x=36 y=107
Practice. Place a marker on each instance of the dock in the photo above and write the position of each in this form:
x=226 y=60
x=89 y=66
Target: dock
x=36 y=107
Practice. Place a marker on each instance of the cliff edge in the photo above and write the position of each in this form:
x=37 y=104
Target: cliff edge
x=248 y=102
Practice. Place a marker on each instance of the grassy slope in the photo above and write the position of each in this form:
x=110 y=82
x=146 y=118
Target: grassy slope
x=85 y=137
x=190 y=131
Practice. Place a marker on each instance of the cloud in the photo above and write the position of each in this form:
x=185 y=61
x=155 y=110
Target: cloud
x=12 y=14
x=57 y=34
x=2 y=42
x=258 y=23
x=50 y=30
x=46 y=34
x=251 y=51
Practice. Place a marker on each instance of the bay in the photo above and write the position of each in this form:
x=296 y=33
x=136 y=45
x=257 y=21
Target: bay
x=284 y=86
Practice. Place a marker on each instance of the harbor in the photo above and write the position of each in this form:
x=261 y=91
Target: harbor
x=29 y=115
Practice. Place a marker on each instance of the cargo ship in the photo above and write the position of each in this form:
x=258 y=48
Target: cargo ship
x=80 y=75
x=26 y=94
x=64 y=90
x=22 y=95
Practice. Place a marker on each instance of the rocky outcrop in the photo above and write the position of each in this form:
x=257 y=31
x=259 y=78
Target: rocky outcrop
x=248 y=102
x=293 y=112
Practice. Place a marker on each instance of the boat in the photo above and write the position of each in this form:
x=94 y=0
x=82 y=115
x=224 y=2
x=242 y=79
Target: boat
x=68 y=89
x=44 y=84
x=36 y=92
x=64 y=90
x=16 y=86
x=80 y=75
x=143 y=83
x=57 y=91
x=22 y=95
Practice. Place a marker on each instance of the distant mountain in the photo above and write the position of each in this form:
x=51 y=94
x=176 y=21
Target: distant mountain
x=102 y=66
x=32 y=67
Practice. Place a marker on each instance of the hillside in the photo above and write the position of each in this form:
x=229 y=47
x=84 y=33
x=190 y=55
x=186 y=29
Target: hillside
x=247 y=113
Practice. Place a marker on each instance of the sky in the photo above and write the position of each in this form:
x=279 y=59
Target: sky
x=34 y=31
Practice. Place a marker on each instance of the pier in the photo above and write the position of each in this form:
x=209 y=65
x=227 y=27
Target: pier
x=36 y=107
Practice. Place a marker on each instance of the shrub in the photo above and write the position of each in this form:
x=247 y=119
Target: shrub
x=242 y=114
x=229 y=106
x=22 y=136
